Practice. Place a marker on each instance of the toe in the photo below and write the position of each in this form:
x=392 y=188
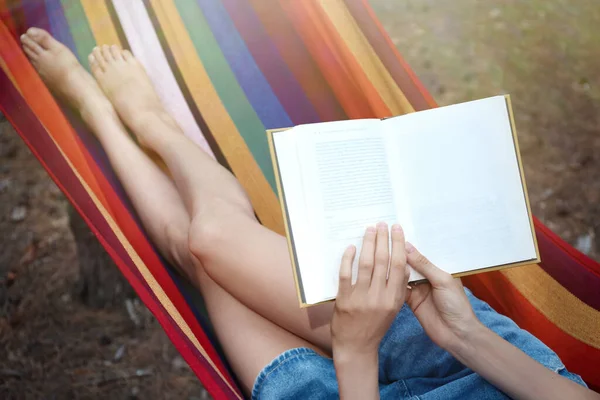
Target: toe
x=43 y=38
x=127 y=56
x=32 y=45
x=99 y=57
x=94 y=66
x=116 y=52
x=30 y=54
x=106 y=52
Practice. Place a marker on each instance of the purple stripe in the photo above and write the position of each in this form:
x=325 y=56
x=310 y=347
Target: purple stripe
x=59 y=27
x=267 y=57
x=577 y=279
x=35 y=14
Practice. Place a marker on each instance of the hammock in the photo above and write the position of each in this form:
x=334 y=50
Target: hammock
x=228 y=70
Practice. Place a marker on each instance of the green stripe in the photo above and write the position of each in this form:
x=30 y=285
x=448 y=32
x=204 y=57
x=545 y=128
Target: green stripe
x=80 y=30
x=225 y=83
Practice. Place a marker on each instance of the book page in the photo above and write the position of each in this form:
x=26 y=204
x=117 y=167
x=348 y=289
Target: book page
x=346 y=187
x=457 y=183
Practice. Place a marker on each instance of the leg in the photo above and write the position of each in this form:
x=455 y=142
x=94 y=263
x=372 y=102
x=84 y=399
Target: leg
x=241 y=255
x=237 y=326
x=164 y=214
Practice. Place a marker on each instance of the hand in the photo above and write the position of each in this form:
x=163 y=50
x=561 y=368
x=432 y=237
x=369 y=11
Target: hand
x=441 y=305
x=364 y=312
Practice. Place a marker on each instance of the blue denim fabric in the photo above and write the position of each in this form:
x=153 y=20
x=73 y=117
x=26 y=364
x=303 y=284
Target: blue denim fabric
x=411 y=366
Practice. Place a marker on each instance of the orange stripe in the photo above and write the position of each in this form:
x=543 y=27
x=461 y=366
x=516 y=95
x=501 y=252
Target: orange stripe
x=376 y=73
x=501 y=294
x=556 y=303
x=100 y=22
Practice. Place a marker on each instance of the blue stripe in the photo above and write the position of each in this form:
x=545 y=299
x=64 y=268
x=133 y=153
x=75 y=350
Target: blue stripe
x=267 y=57
x=59 y=27
x=249 y=76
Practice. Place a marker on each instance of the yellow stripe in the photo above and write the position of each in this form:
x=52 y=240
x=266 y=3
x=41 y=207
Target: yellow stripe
x=556 y=303
x=360 y=47
x=146 y=274
x=100 y=22
x=217 y=119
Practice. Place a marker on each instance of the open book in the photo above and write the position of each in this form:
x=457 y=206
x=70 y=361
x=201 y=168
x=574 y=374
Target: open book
x=450 y=176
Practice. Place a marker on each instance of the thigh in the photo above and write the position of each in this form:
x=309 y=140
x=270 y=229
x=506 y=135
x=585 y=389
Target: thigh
x=253 y=264
x=249 y=340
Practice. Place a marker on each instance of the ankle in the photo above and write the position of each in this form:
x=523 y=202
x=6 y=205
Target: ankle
x=94 y=111
x=150 y=120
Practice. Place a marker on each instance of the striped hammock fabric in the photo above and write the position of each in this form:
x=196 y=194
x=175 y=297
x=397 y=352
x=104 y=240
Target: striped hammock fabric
x=228 y=70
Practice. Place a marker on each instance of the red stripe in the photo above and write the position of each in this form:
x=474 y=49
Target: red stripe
x=297 y=58
x=572 y=275
x=581 y=258
x=323 y=44
x=31 y=85
x=498 y=291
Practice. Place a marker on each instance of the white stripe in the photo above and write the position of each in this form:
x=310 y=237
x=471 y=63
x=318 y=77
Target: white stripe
x=147 y=49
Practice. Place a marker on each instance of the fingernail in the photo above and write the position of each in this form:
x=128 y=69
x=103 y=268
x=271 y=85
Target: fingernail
x=396 y=228
x=371 y=229
x=409 y=247
x=382 y=226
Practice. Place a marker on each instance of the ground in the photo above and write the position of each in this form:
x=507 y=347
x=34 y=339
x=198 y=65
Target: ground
x=542 y=52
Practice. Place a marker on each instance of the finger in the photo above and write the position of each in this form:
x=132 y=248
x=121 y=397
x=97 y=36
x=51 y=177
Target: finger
x=398 y=258
x=422 y=265
x=346 y=271
x=366 y=259
x=382 y=257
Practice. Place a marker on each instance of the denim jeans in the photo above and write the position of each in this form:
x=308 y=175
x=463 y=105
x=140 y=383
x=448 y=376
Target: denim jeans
x=411 y=366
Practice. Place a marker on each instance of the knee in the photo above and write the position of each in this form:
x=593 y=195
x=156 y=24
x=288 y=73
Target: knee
x=177 y=251
x=205 y=237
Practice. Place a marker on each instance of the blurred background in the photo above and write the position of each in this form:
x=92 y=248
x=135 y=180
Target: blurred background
x=543 y=52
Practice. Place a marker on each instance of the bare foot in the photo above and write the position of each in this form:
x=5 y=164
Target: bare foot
x=62 y=73
x=126 y=84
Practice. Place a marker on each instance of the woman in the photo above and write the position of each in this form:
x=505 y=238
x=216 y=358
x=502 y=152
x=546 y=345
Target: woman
x=432 y=341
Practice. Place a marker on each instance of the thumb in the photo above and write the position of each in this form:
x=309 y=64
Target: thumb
x=422 y=265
